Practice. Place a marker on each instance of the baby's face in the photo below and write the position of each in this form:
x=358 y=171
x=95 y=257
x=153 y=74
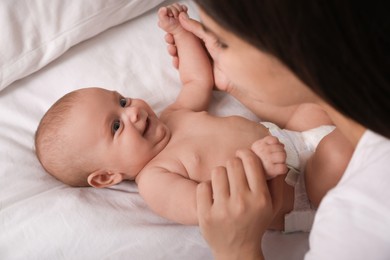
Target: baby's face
x=119 y=134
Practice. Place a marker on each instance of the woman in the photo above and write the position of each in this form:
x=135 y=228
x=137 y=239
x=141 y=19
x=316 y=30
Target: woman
x=333 y=53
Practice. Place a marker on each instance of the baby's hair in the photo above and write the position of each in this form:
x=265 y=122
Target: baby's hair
x=52 y=144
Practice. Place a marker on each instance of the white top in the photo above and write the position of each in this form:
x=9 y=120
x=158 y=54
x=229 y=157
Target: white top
x=353 y=220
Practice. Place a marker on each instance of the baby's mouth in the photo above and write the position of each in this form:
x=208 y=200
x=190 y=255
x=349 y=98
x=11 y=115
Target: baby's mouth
x=147 y=123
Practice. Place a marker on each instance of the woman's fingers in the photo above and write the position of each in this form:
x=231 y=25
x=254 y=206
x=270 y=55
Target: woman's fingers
x=175 y=62
x=192 y=25
x=254 y=171
x=232 y=214
x=169 y=38
x=236 y=174
x=220 y=184
x=204 y=197
x=172 y=50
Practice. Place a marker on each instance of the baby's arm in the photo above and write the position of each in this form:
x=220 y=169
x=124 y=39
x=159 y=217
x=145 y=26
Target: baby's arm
x=169 y=194
x=194 y=67
x=272 y=155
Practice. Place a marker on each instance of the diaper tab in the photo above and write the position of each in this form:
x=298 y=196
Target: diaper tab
x=299 y=221
x=292 y=176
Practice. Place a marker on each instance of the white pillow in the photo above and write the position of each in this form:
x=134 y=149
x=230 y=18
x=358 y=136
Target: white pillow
x=35 y=32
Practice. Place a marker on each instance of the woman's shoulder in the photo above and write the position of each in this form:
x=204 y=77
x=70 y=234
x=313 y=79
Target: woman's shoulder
x=371 y=157
x=368 y=172
x=373 y=141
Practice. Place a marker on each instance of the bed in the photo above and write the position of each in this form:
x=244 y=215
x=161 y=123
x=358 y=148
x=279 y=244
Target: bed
x=49 y=48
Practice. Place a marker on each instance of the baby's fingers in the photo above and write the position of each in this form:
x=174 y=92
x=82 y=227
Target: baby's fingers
x=278 y=156
x=268 y=144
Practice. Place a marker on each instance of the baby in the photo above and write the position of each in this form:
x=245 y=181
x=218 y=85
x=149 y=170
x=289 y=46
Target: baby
x=96 y=137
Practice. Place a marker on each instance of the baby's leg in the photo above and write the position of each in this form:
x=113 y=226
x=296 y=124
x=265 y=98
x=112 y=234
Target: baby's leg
x=307 y=116
x=326 y=165
x=169 y=22
x=184 y=46
x=325 y=168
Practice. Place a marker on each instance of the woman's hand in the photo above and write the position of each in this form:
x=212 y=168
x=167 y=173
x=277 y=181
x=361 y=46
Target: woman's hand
x=221 y=81
x=235 y=208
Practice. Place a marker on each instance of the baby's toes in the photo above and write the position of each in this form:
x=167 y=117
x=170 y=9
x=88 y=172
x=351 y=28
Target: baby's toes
x=181 y=7
x=174 y=10
x=162 y=12
x=169 y=38
x=164 y=19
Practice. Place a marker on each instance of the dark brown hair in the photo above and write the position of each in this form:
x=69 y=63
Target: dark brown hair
x=339 y=48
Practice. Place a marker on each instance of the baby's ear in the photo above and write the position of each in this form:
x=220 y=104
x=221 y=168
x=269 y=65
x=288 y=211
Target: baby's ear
x=103 y=178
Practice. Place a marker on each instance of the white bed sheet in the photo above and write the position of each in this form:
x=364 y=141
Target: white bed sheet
x=41 y=218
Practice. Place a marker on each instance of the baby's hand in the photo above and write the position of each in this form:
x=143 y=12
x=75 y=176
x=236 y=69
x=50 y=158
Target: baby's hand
x=169 y=18
x=272 y=154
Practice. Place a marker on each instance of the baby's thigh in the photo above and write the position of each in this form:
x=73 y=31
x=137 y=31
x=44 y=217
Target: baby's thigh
x=325 y=168
x=308 y=116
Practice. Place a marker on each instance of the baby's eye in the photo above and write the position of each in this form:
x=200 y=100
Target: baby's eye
x=115 y=126
x=123 y=102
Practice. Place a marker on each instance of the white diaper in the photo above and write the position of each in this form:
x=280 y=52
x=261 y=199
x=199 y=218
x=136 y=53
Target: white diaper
x=301 y=218
x=299 y=147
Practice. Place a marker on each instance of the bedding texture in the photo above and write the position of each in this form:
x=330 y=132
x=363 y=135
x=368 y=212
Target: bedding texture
x=41 y=218
x=35 y=32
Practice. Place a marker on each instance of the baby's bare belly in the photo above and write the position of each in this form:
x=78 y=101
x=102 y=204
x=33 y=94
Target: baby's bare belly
x=215 y=143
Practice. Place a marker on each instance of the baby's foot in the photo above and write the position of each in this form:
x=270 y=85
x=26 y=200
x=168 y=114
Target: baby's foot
x=169 y=18
x=272 y=154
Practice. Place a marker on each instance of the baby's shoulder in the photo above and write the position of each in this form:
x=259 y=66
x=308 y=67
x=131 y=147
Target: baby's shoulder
x=159 y=175
x=165 y=164
x=173 y=112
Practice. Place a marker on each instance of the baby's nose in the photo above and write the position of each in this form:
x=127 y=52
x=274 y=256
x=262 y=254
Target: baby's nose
x=133 y=113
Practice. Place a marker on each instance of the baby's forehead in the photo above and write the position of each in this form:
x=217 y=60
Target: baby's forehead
x=94 y=91
x=95 y=96
x=92 y=110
